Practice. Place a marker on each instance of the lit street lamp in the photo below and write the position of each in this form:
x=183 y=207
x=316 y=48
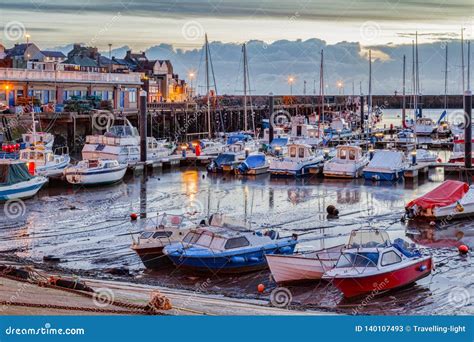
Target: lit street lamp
x=291 y=80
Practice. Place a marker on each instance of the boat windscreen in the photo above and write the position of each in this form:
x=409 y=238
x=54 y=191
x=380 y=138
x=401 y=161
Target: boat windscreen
x=368 y=239
x=358 y=260
x=255 y=160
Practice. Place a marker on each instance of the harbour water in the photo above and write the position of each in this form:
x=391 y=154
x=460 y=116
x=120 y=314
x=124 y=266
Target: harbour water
x=89 y=229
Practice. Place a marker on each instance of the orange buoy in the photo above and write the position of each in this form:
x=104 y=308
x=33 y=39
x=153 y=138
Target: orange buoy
x=463 y=249
x=133 y=216
x=260 y=288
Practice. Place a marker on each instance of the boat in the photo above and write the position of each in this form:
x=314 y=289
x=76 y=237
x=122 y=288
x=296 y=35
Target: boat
x=225 y=162
x=278 y=146
x=424 y=126
x=203 y=148
x=426 y=156
x=302 y=267
x=42 y=138
x=297 y=162
x=254 y=164
x=122 y=143
x=44 y=161
x=159 y=232
x=304 y=133
x=16 y=182
x=227 y=246
x=371 y=264
x=95 y=172
x=348 y=163
x=450 y=200
x=458 y=154
x=385 y=165
x=406 y=136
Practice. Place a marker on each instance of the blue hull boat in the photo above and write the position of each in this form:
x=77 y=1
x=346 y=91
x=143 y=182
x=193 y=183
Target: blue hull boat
x=227 y=250
x=382 y=176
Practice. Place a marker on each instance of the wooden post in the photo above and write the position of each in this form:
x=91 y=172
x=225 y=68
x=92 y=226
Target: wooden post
x=143 y=126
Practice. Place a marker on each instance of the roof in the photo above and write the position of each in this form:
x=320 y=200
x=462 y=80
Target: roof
x=18 y=49
x=81 y=61
x=53 y=54
x=446 y=194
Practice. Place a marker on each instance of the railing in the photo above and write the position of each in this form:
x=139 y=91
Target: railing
x=10 y=74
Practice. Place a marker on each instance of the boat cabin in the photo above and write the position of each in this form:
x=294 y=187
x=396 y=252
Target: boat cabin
x=300 y=151
x=425 y=122
x=40 y=156
x=348 y=153
x=164 y=229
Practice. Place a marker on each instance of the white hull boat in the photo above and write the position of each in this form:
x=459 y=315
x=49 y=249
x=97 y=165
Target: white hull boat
x=46 y=162
x=95 y=172
x=17 y=183
x=303 y=267
x=298 y=161
x=425 y=126
x=348 y=163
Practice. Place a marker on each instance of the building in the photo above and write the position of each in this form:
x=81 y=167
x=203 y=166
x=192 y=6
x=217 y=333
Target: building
x=20 y=54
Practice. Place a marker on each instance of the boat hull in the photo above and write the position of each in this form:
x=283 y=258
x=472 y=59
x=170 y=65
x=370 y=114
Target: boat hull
x=357 y=286
x=382 y=176
x=22 y=190
x=292 y=269
x=237 y=263
x=98 y=177
x=153 y=257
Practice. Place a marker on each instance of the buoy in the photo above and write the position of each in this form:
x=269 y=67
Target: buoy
x=133 y=216
x=463 y=249
x=432 y=223
x=260 y=288
x=439 y=160
x=331 y=210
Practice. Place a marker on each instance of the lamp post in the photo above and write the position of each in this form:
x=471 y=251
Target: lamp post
x=191 y=78
x=340 y=86
x=291 y=80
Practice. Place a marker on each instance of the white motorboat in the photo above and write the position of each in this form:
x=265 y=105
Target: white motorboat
x=122 y=143
x=95 y=172
x=426 y=156
x=302 y=267
x=385 y=166
x=425 y=126
x=16 y=182
x=42 y=138
x=450 y=200
x=297 y=162
x=304 y=133
x=406 y=136
x=348 y=163
x=458 y=154
x=45 y=162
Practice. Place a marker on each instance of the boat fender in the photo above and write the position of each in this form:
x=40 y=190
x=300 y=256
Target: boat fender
x=285 y=250
x=254 y=259
x=422 y=268
x=294 y=236
x=237 y=260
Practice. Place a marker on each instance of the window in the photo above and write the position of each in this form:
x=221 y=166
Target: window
x=204 y=240
x=163 y=234
x=132 y=96
x=146 y=235
x=191 y=237
x=293 y=152
x=352 y=155
x=390 y=258
x=301 y=152
x=358 y=260
x=342 y=154
x=236 y=243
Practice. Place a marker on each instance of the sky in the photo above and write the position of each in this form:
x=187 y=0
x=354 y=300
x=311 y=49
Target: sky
x=175 y=29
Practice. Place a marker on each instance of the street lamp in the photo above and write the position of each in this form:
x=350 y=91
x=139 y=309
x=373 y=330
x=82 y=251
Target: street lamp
x=291 y=80
x=340 y=86
x=27 y=36
x=191 y=77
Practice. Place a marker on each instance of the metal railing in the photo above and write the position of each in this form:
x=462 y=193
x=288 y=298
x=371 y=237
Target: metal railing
x=11 y=74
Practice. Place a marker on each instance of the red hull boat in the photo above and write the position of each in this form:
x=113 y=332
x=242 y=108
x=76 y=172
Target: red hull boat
x=371 y=264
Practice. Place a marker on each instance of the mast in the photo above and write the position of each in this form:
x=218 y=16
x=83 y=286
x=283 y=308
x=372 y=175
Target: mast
x=446 y=79
x=468 y=65
x=244 y=50
x=404 y=102
x=208 y=89
x=415 y=105
x=462 y=60
x=321 y=91
x=417 y=75
x=369 y=100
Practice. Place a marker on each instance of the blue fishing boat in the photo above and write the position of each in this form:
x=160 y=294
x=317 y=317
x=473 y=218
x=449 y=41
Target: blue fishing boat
x=385 y=166
x=226 y=248
x=254 y=164
x=224 y=162
x=16 y=182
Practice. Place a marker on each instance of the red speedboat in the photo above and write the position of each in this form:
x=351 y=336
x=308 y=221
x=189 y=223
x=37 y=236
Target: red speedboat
x=371 y=264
